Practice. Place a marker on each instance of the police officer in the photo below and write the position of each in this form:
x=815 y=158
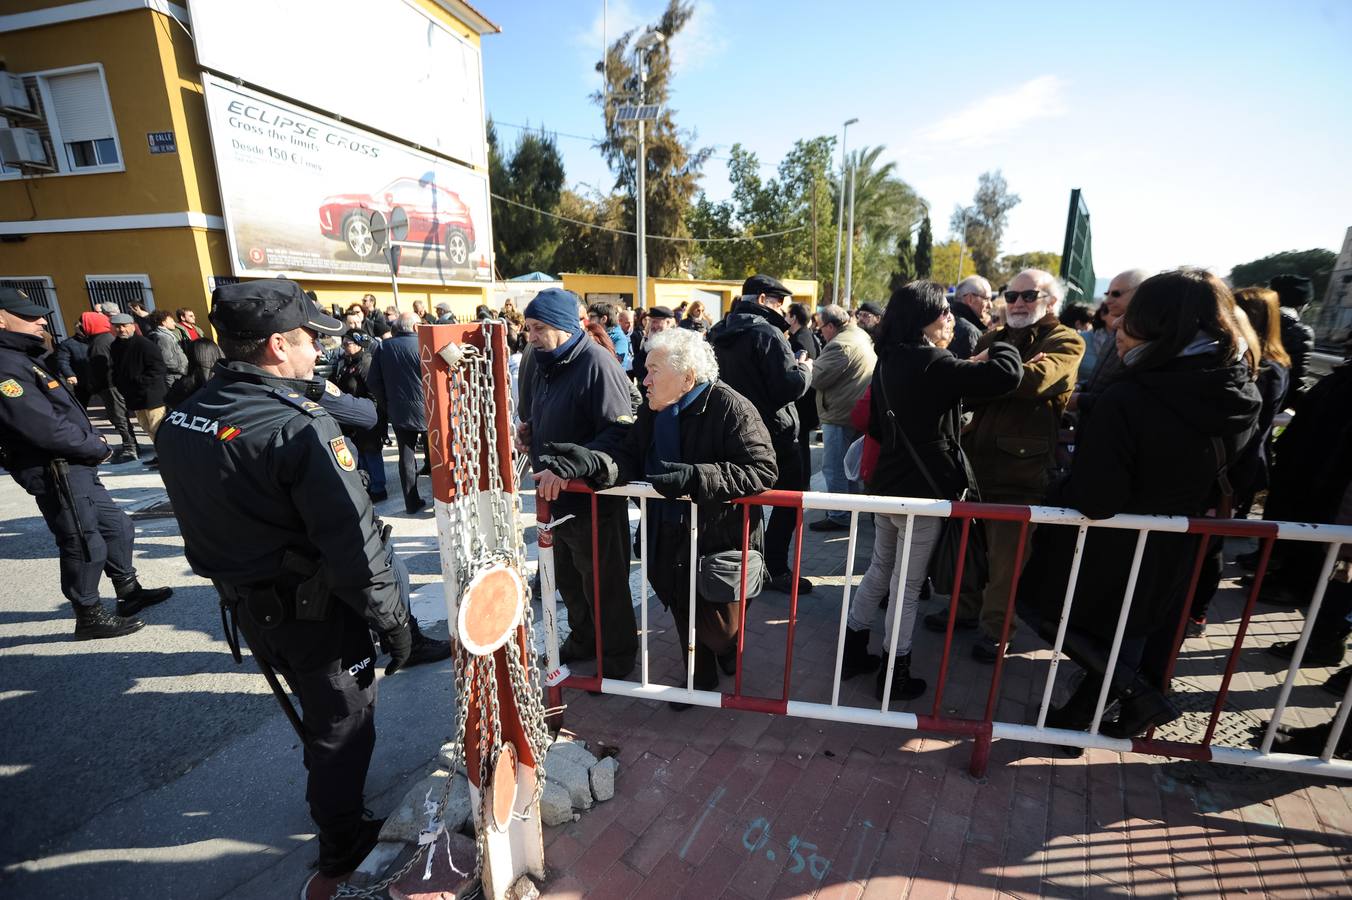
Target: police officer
x=273 y=511
x=53 y=451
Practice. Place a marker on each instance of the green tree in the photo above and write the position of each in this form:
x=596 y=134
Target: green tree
x=982 y=225
x=1013 y=263
x=672 y=163
x=945 y=267
x=531 y=178
x=903 y=268
x=884 y=207
x=1317 y=265
x=924 y=250
x=585 y=245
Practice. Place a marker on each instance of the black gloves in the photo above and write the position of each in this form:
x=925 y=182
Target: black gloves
x=676 y=479
x=570 y=461
x=399 y=644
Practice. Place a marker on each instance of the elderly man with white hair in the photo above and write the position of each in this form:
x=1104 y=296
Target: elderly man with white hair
x=698 y=438
x=1109 y=365
x=971 y=315
x=395 y=380
x=1011 y=442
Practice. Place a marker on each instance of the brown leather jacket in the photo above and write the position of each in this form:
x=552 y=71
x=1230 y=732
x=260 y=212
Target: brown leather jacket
x=1011 y=442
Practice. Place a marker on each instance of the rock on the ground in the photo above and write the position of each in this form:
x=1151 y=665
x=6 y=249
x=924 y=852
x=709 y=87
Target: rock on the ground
x=446 y=883
x=573 y=778
x=573 y=751
x=602 y=777
x=373 y=868
x=410 y=816
x=556 y=804
x=447 y=753
x=523 y=889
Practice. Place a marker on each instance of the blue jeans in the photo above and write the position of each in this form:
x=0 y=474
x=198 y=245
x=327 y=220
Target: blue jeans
x=373 y=464
x=836 y=439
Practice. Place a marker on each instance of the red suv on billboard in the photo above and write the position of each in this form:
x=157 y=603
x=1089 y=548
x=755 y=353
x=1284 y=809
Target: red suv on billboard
x=409 y=209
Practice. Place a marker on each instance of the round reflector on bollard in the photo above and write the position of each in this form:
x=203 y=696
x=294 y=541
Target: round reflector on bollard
x=490 y=609
x=503 y=789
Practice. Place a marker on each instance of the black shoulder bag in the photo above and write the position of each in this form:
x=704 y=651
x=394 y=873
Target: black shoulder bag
x=943 y=561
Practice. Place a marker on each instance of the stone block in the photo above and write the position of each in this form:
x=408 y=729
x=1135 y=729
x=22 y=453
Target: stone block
x=573 y=778
x=444 y=756
x=602 y=777
x=451 y=878
x=556 y=804
x=523 y=889
x=410 y=816
x=574 y=751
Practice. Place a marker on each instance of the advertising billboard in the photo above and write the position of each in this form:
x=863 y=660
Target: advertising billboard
x=383 y=64
x=307 y=195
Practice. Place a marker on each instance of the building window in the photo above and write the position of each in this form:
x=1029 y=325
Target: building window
x=40 y=290
x=73 y=118
x=120 y=290
x=83 y=154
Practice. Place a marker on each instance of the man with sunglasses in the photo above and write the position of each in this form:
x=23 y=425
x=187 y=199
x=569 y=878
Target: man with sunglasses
x=1109 y=365
x=1012 y=441
x=971 y=315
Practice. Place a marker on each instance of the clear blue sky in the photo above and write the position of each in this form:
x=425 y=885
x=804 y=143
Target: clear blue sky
x=1201 y=133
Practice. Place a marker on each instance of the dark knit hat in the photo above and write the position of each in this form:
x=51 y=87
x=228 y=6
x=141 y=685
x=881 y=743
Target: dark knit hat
x=557 y=308
x=1292 y=290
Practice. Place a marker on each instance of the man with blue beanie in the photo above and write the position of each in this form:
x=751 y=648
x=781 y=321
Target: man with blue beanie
x=579 y=394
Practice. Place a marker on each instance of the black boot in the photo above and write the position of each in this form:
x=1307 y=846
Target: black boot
x=1142 y=707
x=857 y=660
x=132 y=598
x=904 y=687
x=94 y=622
x=1077 y=713
x=425 y=649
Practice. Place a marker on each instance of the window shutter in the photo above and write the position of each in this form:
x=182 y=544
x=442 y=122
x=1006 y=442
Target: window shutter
x=81 y=108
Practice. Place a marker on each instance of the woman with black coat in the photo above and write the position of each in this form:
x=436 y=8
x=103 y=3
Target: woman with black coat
x=917 y=388
x=695 y=437
x=1184 y=407
x=350 y=375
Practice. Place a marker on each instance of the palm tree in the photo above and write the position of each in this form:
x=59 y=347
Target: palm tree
x=885 y=208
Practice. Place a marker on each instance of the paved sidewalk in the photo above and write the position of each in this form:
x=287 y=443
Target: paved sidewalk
x=717 y=803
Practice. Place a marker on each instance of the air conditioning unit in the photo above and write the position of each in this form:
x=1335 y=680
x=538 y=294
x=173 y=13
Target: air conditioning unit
x=13 y=94
x=23 y=147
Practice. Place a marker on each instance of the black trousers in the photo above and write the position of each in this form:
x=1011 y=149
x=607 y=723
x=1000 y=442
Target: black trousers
x=330 y=667
x=573 y=572
x=407 y=441
x=116 y=408
x=716 y=624
x=93 y=537
x=783 y=519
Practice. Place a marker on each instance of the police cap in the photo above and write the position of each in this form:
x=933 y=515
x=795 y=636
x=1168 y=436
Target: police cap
x=257 y=309
x=764 y=284
x=13 y=300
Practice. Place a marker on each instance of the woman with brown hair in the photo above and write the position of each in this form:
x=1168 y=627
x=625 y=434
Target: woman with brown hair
x=1159 y=440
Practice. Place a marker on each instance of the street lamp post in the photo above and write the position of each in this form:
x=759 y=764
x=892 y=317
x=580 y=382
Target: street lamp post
x=849 y=233
x=840 y=207
x=642 y=47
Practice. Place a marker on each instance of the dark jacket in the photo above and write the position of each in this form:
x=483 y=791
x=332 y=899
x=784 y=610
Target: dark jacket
x=263 y=483
x=1248 y=473
x=1148 y=449
x=352 y=377
x=40 y=419
x=926 y=386
x=755 y=360
x=395 y=381
x=1303 y=485
x=1298 y=341
x=101 y=362
x=967 y=330
x=1012 y=439
x=806 y=340
x=138 y=372
x=72 y=361
x=582 y=397
x=723 y=437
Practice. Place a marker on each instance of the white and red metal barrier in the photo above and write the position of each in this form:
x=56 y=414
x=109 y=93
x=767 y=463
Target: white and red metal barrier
x=985 y=729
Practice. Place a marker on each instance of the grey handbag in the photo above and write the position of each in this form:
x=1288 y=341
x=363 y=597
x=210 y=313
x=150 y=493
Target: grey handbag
x=718 y=578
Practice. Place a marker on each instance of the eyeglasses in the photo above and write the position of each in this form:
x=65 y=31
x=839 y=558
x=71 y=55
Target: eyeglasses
x=1116 y=294
x=1025 y=296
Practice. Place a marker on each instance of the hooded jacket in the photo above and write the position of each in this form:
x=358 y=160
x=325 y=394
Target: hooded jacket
x=754 y=360
x=1148 y=449
x=99 y=332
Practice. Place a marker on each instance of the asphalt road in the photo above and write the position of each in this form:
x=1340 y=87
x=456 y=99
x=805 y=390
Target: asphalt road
x=154 y=758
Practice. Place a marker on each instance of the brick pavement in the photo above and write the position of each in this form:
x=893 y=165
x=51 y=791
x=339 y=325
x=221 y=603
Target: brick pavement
x=717 y=803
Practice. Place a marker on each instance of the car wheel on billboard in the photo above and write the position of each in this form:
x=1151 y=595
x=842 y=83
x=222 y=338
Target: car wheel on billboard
x=364 y=236
x=457 y=247
x=398 y=224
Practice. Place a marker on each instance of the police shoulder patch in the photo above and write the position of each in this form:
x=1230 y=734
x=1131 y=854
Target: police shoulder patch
x=11 y=388
x=342 y=454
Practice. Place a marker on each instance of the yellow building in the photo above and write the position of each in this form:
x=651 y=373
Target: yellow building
x=717 y=296
x=114 y=191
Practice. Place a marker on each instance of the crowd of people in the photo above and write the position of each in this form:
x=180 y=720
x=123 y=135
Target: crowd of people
x=1161 y=401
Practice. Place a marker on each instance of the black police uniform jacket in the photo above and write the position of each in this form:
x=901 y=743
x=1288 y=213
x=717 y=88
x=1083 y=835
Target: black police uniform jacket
x=755 y=360
x=255 y=471
x=40 y=420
